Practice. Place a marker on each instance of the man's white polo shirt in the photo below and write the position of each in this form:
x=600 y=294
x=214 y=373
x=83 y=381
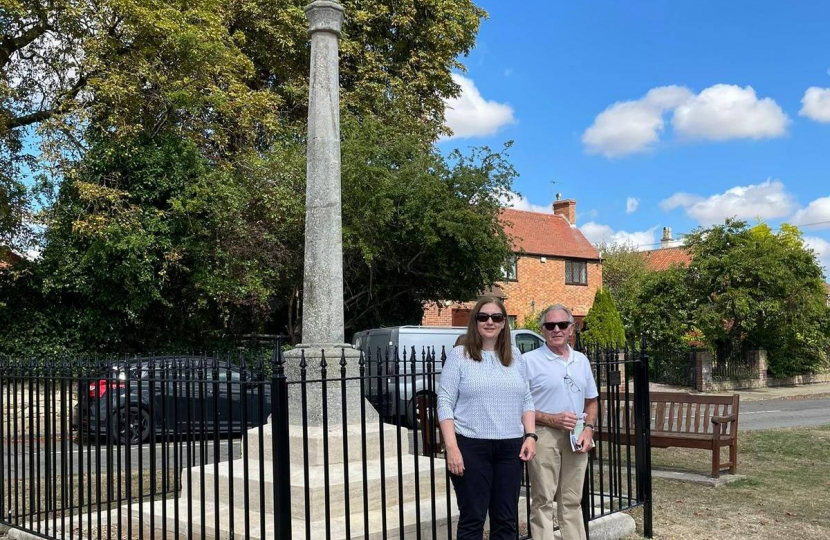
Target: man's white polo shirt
x=558 y=385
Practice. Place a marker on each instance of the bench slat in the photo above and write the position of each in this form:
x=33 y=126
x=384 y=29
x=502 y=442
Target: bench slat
x=670 y=426
x=661 y=415
x=697 y=417
x=706 y=420
x=689 y=417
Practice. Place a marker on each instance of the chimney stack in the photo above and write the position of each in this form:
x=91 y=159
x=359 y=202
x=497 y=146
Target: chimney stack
x=666 y=241
x=565 y=208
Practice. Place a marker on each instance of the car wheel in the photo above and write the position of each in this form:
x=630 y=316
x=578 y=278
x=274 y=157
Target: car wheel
x=132 y=425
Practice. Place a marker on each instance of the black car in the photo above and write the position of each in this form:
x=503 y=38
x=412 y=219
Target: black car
x=196 y=397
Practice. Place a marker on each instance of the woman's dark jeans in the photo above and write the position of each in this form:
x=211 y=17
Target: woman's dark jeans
x=491 y=482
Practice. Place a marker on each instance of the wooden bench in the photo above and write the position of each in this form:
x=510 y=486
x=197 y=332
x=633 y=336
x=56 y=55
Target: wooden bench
x=683 y=420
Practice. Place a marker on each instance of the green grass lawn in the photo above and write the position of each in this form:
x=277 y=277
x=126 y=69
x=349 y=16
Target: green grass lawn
x=786 y=493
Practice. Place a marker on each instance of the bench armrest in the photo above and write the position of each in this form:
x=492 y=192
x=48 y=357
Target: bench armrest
x=724 y=419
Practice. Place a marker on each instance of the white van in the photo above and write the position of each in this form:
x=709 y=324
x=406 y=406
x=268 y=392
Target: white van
x=381 y=345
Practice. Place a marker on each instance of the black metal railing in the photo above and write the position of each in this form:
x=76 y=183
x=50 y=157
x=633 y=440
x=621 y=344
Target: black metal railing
x=252 y=446
x=732 y=360
x=673 y=365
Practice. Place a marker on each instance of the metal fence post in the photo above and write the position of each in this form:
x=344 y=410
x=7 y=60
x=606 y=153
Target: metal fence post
x=642 y=422
x=587 y=497
x=280 y=440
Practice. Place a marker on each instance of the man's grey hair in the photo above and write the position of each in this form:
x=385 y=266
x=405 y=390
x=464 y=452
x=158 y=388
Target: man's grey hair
x=556 y=307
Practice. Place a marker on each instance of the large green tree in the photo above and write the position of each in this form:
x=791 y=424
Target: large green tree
x=232 y=77
x=152 y=246
x=762 y=288
x=172 y=158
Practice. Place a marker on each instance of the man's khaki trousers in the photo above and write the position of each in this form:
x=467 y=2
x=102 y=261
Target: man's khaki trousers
x=556 y=466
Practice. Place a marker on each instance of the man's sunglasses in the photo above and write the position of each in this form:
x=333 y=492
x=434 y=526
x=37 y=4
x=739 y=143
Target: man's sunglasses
x=562 y=325
x=497 y=317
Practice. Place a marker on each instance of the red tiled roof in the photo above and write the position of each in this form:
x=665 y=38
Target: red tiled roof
x=663 y=259
x=545 y=234
x=7 y=257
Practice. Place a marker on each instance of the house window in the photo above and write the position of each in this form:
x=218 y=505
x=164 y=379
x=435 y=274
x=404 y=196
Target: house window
x=510 y=271
x=576 y=273
x=511 y=320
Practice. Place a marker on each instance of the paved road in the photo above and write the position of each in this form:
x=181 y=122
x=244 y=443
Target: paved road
x=779 y=413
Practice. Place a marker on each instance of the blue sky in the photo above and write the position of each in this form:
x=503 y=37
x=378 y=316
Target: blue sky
x=654 y=114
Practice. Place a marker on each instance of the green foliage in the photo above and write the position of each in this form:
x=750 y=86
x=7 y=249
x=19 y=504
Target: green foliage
x=531 y=322
x=151 y=247
x=417 y=226
x=173 y=167
x=624 y=271
x=603 y=324
x=762 y=288
x=666 y=309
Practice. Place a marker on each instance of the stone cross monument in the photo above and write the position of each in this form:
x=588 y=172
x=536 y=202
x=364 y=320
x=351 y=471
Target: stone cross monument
x=322 y=319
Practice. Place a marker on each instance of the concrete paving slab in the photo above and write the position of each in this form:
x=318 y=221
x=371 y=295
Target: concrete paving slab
x=695 y=478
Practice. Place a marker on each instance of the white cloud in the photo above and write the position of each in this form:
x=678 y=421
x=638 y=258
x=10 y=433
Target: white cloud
x=726 y=111
x=815 y=104
x=631 y=205
x=629 y=127
x=596 y=233
x=679 y=200
x=767 y=200
x=520 y=202
x=720 y=112
x=817 y=211
x=822 y=249
x=470 y=115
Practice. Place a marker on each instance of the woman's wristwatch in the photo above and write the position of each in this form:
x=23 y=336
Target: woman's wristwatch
x=532 y=436
x=590 y=426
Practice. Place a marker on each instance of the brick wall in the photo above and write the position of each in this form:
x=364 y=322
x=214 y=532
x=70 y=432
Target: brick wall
x=539 y=285
x=437 y=314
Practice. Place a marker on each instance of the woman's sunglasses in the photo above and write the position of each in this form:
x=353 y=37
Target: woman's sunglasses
x=560 y=325
x=497 y=317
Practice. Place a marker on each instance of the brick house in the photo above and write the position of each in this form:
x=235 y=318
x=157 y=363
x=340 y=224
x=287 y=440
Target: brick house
x=668 y=255
x=553 y=263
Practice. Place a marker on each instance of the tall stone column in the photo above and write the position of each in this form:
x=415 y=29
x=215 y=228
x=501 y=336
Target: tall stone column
x=322 y=321
x=323 y=278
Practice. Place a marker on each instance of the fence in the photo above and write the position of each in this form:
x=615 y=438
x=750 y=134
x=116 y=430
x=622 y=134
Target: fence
x=733 y=361
x=181 y=446
x=673 y=365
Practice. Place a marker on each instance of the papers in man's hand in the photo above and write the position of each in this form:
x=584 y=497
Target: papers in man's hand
x=577 y=431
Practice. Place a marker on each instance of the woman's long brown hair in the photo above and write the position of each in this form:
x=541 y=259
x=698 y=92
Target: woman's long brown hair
x=473 y=341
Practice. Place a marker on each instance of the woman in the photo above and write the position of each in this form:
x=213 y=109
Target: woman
x=487 y=420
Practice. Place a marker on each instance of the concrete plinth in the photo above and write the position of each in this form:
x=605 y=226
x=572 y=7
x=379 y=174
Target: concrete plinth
x=335 y=382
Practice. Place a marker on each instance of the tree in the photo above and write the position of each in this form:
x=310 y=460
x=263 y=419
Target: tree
x=417 y=226
x=761 y=288
x=173 y=151
x=225 y=76
x=666 y=310
x=623 y=272
x=152 y=247
x=603 y=324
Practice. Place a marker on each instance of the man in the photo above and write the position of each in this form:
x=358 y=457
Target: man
x=563 y=388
